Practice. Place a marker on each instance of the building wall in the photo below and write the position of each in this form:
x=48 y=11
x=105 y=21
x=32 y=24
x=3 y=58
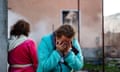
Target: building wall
x=45 y=14
x=3 y=36
x=112 y=35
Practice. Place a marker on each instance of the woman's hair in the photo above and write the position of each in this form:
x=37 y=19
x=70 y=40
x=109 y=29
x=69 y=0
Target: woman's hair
x=66 y=30
x=21 y=27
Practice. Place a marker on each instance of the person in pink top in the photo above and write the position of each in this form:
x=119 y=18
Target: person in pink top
x=22 y=54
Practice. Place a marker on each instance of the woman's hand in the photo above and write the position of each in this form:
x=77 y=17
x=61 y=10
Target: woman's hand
x=59 y=46
x=63 y=46
x=67 y=46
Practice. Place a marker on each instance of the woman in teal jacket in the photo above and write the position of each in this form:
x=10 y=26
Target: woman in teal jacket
x=53 y=58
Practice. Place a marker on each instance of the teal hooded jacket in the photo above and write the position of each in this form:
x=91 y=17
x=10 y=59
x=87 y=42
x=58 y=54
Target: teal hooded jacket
x=49 y=58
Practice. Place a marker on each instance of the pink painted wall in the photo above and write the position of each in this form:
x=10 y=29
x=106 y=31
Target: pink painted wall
x=43 y=14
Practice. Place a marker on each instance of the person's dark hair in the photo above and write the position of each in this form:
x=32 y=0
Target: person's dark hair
x=66 y=30
x=21 y=27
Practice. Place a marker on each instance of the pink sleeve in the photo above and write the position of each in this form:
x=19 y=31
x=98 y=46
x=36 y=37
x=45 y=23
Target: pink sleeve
x=33 y=54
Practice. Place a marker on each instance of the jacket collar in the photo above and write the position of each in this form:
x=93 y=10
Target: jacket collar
x=14 y=41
